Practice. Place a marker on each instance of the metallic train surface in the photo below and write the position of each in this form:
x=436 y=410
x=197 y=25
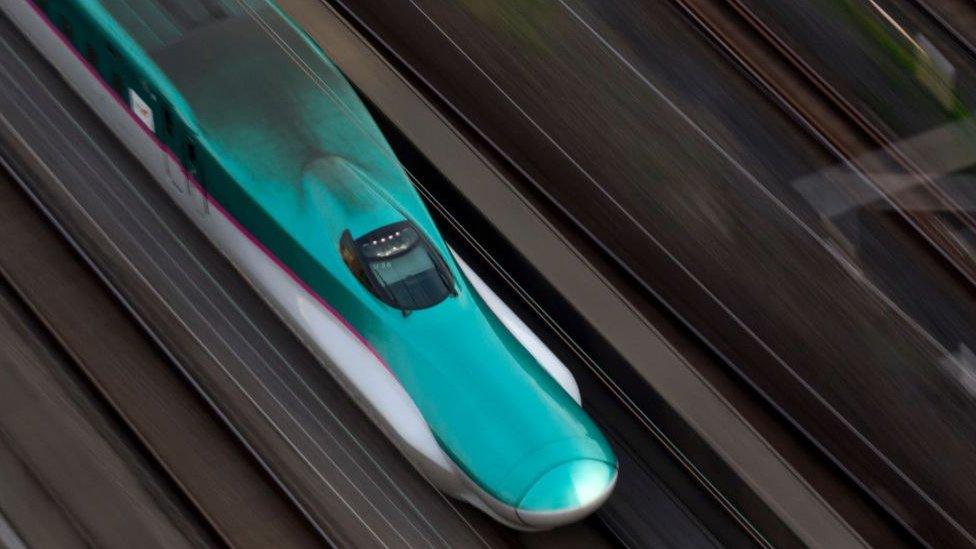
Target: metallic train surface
x=263 y=143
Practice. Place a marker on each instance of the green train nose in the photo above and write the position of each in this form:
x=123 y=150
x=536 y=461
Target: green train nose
x=571 y=490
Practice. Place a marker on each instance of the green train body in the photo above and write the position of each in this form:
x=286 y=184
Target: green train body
x=274 y=138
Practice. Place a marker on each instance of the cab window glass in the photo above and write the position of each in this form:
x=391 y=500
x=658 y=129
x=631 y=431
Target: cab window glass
x=399 y=266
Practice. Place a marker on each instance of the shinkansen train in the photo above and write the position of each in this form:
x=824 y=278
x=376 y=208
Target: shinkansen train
x=260 y=139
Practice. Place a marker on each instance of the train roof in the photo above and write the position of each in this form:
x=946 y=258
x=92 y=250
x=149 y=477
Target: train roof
x=157 y=23
x=270 y=105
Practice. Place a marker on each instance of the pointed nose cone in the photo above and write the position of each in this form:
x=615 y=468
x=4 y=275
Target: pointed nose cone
x=566 y=493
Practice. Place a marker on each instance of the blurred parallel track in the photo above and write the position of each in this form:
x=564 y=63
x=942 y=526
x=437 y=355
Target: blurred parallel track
x=961 y=11
x=183 y=448
x=863 y=144
x=829 y=116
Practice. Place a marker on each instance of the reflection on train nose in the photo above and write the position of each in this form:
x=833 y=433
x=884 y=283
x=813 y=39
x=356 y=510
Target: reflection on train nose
x=573 y=489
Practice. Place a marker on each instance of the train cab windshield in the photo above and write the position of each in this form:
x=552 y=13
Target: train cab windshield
x=399 y=266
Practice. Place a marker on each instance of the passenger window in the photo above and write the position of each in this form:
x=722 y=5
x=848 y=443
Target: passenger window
x=67 y=30
x=117 y=85
x=192 y=166
x=91 y=56
x=167 y=121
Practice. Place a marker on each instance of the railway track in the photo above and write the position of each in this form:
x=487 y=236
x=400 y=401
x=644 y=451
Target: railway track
x=117 y=377
x=69 y=477
x=961 y=11
x=865 y=145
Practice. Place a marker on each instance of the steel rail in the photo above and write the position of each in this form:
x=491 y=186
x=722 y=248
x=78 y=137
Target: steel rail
x=874 y=132
x=932 y=14
x=800 y=112
x=9 y=165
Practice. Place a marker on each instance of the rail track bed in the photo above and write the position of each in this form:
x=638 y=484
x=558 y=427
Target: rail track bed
x=875 y=164
x=103 y=442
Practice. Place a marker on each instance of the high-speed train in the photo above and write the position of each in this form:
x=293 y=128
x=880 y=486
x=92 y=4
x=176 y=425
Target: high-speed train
x=260 y=139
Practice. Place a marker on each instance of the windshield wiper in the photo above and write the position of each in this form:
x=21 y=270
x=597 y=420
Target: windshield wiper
x=392 y=297
x=443 y=271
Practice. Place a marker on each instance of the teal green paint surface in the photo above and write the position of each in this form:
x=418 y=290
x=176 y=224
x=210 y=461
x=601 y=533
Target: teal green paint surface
x=293 y=155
